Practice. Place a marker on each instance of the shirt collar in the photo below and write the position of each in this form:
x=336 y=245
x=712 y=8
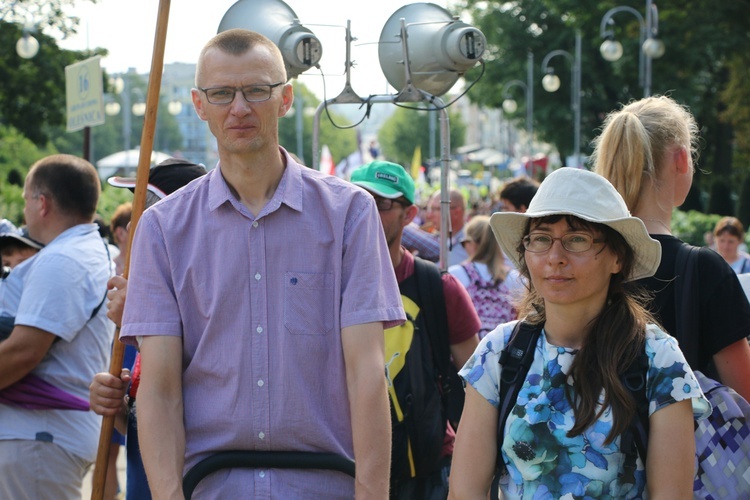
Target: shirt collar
x=288 y=192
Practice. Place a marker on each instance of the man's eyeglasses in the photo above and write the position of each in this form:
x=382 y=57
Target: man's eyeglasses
x=572 y=242
x=385 y=204
x=251 y=93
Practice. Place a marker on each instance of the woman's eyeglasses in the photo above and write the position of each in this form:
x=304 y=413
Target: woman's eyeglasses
x=572 y=242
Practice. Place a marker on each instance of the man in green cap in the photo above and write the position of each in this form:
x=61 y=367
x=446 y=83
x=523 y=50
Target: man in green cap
x=422 y=355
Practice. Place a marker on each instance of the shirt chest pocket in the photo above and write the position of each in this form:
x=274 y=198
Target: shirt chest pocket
x=308 y=303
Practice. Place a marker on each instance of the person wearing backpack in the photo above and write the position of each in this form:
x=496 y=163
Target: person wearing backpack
x=646 y=151
x=493 y=286
x=569 y=430
x=423 y=385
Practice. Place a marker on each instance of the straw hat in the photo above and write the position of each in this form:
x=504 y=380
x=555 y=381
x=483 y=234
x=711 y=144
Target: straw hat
x=588 y=196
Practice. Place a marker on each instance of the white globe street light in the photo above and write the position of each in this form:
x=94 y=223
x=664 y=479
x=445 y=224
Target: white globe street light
x=112 y=108
x=139 y=109
x=510 y=105
x=551 y=82
x=117 y=84
x=174 y=107
x=651 y=47
x=611 y=50
x=27 y=46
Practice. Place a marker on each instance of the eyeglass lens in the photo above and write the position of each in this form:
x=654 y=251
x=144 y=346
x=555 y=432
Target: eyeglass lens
x=573 y=242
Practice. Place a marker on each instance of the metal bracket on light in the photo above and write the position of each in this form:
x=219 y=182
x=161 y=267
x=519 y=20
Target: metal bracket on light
x=422 y=46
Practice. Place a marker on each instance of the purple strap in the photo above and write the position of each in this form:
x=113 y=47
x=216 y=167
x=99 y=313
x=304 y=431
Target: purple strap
x=33 y=393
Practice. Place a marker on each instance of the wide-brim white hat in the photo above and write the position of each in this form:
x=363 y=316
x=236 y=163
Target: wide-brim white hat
x=588 y=196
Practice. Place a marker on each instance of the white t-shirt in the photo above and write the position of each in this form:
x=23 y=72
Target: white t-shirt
x=64 y=284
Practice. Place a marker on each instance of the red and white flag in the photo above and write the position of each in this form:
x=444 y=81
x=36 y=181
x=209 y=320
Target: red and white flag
x=326 y=161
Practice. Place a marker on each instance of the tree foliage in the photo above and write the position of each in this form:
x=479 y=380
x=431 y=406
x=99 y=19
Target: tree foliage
x=408 y=128
x=32 y=96
x=341 y=142
x=52 y=15
x=706 y=46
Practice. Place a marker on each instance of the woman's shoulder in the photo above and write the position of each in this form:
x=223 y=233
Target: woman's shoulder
x=656 y=336
x=458 y=271
x=497 y=340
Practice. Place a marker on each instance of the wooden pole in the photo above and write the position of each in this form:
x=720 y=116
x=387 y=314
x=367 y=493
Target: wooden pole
x=139 y=204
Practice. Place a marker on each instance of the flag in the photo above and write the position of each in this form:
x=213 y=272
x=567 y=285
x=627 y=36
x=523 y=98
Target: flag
x=416 y=162
x=326 y=161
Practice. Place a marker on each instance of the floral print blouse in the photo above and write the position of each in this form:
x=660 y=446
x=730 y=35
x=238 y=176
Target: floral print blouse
x=542 y=462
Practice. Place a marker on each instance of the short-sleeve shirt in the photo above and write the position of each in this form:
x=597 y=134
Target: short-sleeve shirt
x=463 y=322
x=259 y=303
x=542 y=461
x=724 y=311
x=11 y=288
x=65 y=282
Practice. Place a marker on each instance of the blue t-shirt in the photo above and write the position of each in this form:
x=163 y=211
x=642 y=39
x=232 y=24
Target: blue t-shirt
x=542 y=462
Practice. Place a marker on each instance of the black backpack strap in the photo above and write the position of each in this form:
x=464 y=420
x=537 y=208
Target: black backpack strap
x=634 y=441
x=686 y=305
x=109 y=261
x=515 y=361
x=432 y=303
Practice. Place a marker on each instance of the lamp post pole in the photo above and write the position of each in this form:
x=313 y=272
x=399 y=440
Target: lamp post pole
x=650 y=47
x=551 y=83
x=509 y=105
x=299 y=105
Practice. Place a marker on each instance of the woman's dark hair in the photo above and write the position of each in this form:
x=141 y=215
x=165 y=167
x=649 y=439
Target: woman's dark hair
x=615 y=338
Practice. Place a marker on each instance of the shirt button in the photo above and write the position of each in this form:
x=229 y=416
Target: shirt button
x=261 y=435
x=255 y=223
x=259 y=329
x=257 y=276
x=260 y=383
x=262 y=474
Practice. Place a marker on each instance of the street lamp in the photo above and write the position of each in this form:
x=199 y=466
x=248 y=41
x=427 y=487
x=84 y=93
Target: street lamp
x=27 y=46
x=121 y=86
x=650 y=46
x=510 y=106
x=551 y=82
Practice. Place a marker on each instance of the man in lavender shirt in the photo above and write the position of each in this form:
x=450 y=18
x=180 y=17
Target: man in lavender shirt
x=258 y=295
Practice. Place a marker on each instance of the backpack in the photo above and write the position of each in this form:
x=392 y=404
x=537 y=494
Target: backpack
x=722 y=441
x=516 y=359
x=490 y=298
x=421 y=379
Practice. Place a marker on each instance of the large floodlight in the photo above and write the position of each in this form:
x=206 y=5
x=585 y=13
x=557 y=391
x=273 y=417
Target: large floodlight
x=436 y=46
x=276 y=20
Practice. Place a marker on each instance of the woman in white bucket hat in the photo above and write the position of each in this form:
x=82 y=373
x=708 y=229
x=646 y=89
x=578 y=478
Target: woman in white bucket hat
x=577 y=245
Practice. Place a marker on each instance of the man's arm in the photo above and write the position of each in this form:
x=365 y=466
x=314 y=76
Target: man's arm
x=22 y=352
x=370 y=412
x=160 y=412
x=426 y=245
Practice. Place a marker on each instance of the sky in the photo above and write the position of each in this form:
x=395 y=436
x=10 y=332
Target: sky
x=127 y=29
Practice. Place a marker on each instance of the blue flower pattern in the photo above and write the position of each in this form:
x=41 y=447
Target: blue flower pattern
x=542 y=461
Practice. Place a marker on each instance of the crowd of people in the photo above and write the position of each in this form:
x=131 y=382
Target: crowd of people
x=265 y=301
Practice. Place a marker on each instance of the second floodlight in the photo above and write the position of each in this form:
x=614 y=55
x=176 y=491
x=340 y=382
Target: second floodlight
x=300 y=48
x=440 y=48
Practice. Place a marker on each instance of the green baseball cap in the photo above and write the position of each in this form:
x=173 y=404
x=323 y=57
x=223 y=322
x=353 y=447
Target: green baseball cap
x=385 y=179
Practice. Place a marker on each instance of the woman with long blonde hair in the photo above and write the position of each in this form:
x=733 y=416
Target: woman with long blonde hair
x=646 y=151
x=493 y=286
